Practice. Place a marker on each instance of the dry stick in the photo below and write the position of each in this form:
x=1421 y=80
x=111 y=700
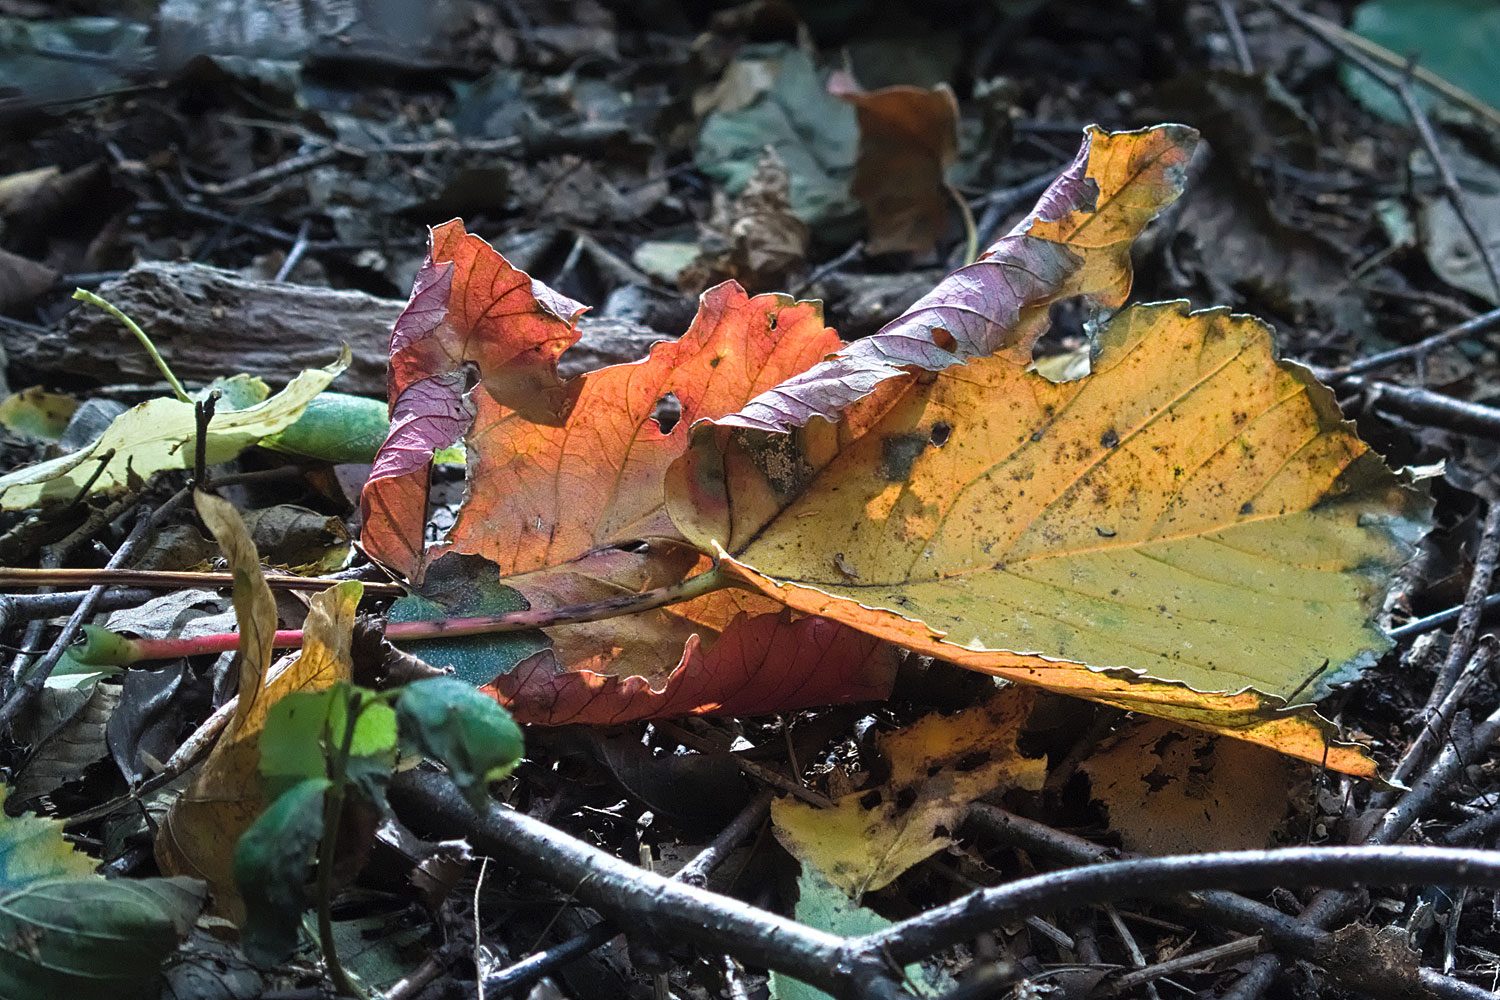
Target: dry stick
x=1454 y=93
x=1441 y=717
x=308 y=161
x=694 y=873
x=1397 y=84
x=668 y=910
x=1207 y=956
x=765 y=775
x=27 y=686
x=1467 y=631
x=1229 y=909
x=1437 y=620
x=1236 y=37
x=29 y=607
x=661 y=908
x=171 y=580
x=1329 y=906
x=1427 y=407
x=1483 y=323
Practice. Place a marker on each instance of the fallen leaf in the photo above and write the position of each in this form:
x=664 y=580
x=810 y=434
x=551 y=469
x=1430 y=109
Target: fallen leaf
x=1175 y=791
x=823 y=906
x=468 y=307
x=908 y=138
x=621 y=670
x=594 y=477
x=1194 y=511
x=938 y=765
x=68 y=932
x=159 y=434
x=753 y=239
x=1075 y=242
x=202 y=827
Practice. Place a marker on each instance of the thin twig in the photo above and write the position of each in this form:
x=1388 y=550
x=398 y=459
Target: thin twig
x=664 y=910
x=171 y=579
x=1437 y=620
x=1481 y=324
x=1441 y=717
x=308 y=161
x=765 y=775
x=1462 y=644
x=1329 y=31
x=1397 y=83
x=1427 y=407
x=1236 y=37
x=28 y=685
x=1194 y=960
x=1228 y=909
x=292 y=257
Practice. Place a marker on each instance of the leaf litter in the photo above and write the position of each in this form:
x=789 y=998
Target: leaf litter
x=850 y=489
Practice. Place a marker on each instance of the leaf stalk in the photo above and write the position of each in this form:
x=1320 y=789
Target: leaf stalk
x=106 y=648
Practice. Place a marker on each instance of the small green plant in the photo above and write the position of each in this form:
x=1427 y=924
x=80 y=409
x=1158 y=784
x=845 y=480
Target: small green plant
x=322 y=752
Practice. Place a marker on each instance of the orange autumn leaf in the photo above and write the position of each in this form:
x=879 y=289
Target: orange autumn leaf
x=469 y=309
x=552 y=489
x=908 y=138
x=595 y=476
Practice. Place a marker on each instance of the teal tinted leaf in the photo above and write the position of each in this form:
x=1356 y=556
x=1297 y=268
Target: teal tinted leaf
x=467 y=587
x=447 y=719
x=272 y=866
x=1459 y=40
x=87 y=938
x=32 y=849
x=823 y=905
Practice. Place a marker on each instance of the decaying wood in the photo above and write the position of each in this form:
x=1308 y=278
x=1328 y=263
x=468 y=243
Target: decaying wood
x=208 y=322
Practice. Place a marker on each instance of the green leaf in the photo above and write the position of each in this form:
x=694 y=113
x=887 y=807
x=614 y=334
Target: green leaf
x=335 y=427
x=272 y=866
x=823 y=905
x=159 y=434
x=1459 y=40
x=444 y=718
x=467 y=587
x=33 y=849
x=305 y=727
x=86 y=938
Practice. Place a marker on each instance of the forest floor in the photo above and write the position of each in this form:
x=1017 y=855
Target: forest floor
x=605 y=149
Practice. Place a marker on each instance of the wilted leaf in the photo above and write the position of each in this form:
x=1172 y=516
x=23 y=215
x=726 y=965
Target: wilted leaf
x=160 y=434
x=468 y=306
x=595 y=475
x=272 y=865
x=1194 y=511
x=753 y=239
x=1459 y=40
x=908 y=138
x=36 y=413
x=938 y=765
x=93 y=938
x=590 y=475
x=1075 y=242
x=1175 y=791
x=733 y=661
x=199 y=833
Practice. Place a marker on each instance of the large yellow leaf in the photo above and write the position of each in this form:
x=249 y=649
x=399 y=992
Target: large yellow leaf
x=200 y=831
x=1193 y=512
x=939 y=764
